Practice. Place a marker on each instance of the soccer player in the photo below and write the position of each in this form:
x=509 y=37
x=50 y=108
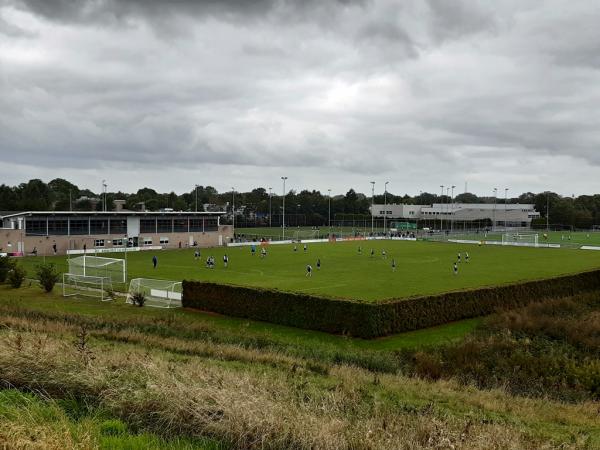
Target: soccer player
x=372 y=253
x=196 y=254
x=253 y=249
x=154 y=261
x=393 y=265
x=295 y=248
x=455 y=268
x=263 y=252
x=318 y=264
x=305 y=248
x=359 y=250
x=458 y=256
x=308 y=270
x=225 y=260
x=467 y=256
x=383 y=254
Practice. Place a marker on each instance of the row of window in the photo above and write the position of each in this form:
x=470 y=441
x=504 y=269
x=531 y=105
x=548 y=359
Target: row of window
x=35 y=227
x=121 y=242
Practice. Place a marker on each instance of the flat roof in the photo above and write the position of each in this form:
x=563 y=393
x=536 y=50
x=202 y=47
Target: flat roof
x=114 y=213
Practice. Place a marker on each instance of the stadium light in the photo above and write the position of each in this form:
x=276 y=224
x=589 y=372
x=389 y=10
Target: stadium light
x=494 y=214
x=329 y=210
x=283 y=210
x=441 y=208
x=269 y=207
x=233 y=209
x=372 y=206
x=505 y=207
x=196 y=189
x=104 y=186
x=452 y=210
x=385 y=207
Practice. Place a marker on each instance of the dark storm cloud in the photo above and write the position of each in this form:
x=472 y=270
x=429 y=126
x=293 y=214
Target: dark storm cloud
x=419 y=93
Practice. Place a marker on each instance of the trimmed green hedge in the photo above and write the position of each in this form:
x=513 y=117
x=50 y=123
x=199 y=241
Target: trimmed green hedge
x=369 y=320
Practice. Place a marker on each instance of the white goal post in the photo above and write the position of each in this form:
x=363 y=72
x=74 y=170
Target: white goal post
x=86 y=285
x=157 y=293
x=521 y=239
x=97 y=266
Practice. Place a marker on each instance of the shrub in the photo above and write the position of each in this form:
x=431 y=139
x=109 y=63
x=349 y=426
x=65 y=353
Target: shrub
x=16 y=276
x=6 y=265
x=138 y=299
x=47 y=276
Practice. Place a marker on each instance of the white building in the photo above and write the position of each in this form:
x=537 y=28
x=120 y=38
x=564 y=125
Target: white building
x=463 y=215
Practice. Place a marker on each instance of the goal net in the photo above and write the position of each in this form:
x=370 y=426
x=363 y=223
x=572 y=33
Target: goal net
x=524 y=239
x=97 y=266
x=157 y=293
x=86 y=286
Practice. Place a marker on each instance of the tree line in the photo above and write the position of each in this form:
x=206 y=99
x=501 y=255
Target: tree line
x=254 y=207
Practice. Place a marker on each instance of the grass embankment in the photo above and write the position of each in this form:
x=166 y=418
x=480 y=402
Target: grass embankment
x=241 y=391
x=422 y=267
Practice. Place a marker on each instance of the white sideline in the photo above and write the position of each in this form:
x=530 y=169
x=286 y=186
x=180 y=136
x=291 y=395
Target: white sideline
x=93 y=251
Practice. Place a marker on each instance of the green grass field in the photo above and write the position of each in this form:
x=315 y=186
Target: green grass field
x=422 y=267
x=564 y=238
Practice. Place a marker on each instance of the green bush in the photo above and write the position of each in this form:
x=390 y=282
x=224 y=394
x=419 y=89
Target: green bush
x=16 y=276
x=138 y=299
x=47 y=275
x=6 y=265
x=369 y=320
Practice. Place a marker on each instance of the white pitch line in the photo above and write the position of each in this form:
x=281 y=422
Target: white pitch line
x=320 y=287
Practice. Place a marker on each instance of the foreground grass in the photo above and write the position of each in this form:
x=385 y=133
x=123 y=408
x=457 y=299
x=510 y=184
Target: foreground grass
x=179 y=377
x=422 y=267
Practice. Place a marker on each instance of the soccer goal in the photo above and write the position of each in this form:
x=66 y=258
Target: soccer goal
x=524 y=239
x=97 y=266
x=87 y=286
x=157 y=293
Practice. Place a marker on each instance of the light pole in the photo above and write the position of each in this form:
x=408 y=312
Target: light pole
x=196 y=189
x=505 y=206
x=283 y=210
x=441 y=208
x=547 y=211
x=104 y=186
x=494 y=214
x=329 y=211
x=372 y=206
x=452 y=210
x=385 y=207
x=233 y=209
x=269 y=207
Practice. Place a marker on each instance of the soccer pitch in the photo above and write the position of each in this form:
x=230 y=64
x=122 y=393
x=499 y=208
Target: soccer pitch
x=421 y=267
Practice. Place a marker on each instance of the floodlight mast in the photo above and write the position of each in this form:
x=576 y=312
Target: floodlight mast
x=441 y=208
x=269 y=207
x=283 y=210
x=494 y=214
x=452 y=210
x=372 y=207
x=385 y=207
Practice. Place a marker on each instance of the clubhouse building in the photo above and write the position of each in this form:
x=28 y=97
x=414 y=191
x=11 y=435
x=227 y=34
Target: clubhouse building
x=50 y=232
x=461 y=215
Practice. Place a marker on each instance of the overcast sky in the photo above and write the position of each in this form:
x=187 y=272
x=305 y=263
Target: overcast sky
x=332 y=94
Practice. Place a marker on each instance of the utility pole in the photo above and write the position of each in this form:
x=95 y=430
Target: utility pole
x=372 y=207
x=269 y=207
x=70 y=201
x=283 y=212
x=385 y=207
x=104 y=186
x=547 y=210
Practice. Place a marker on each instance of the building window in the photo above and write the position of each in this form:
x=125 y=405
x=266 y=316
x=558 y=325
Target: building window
x=99 y=226
x=164 y=225
x=164 y=240
x=79 y=226
x=99 y=243
x=147 y=241
x=147 y=225
x=180 y=225
x=117 y=242
x=196 y=224
x=58 y=226
x=118 y=226
x=35 y=227
x=211 y=225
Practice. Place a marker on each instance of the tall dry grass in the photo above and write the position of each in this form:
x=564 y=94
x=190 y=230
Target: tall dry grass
x=270 y=408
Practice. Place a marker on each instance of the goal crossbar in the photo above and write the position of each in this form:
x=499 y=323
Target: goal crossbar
x=157 y=293
x=75 y=285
